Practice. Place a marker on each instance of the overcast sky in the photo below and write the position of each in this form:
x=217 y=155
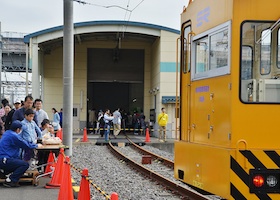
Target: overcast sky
x=28 y=16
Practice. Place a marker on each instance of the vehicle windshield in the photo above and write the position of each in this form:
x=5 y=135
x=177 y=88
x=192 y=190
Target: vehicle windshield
x=260 y=62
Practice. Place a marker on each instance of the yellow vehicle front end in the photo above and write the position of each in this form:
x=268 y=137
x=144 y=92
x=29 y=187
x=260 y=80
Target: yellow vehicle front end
x=229 y=99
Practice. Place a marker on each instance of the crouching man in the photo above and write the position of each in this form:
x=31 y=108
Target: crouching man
x=10 y=161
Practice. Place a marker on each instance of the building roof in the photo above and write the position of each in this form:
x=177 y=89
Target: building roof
x=101 y=23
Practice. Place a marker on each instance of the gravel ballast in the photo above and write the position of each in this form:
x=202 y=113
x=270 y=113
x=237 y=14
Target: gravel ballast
x=112 y=175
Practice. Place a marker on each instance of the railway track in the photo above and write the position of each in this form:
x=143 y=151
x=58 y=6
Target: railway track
x=164 y=161
x=177 y=189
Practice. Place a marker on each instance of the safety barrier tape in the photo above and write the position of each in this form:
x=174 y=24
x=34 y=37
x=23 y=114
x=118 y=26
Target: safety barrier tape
x=124 y=129
x=107 y=196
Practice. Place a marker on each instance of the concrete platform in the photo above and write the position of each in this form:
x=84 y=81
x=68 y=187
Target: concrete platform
x=119 y=140
x=138 y=139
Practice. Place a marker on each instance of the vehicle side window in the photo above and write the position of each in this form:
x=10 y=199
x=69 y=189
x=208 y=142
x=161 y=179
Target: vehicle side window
x=187 y=65
x=265 y=52
x=247 y=63
x=259 y=62
x=219 y=50
x=201 y=58
x=211 y=52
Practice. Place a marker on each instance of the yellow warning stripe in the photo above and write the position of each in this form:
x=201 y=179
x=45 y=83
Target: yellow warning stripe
x=265 y=160
x=244 y=160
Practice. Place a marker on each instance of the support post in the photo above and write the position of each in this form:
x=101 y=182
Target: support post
x=68 y=68
x=35 y=69
x=27 y=68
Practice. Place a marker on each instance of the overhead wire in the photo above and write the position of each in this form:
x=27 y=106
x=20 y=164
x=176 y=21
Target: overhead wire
x=124 y=27
x=110 y=6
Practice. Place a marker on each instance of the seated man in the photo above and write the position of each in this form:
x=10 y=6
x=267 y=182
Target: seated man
x=10 y=161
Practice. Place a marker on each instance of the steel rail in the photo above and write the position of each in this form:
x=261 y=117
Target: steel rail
x=164 y=161
x=177 y=189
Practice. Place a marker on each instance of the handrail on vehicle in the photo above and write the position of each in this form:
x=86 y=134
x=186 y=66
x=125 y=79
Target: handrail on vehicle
x=237 y=150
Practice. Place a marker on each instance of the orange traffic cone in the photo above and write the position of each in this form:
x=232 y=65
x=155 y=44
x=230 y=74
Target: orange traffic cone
x=66 y=191
x=114 y=196
x=50 y=162
x=59 y=134
x=84 y=193
x=57 y=175
x=147 y=135
x=85 y=139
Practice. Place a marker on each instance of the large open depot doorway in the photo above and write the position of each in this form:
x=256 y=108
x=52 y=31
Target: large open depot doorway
x=115 y=79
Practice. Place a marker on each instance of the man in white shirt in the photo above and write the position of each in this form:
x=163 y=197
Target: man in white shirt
x=117 y=122
x=107 y=118
x=40 y=113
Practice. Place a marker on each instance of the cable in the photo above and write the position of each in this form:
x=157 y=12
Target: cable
x=111 y=6
x=137 y=5
x=124 y=27
x=92 y=4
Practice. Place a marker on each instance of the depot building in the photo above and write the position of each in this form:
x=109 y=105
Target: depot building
x=117 y=64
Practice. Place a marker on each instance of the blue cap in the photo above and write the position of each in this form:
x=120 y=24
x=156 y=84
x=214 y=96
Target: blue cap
x=15 y=125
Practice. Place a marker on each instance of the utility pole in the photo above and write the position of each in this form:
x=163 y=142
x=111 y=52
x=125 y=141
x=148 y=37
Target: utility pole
x=68 y=71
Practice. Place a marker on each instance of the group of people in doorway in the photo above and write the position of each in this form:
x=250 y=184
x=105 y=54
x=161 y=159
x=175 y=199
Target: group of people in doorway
x=22 y=129
x=105 y=120
x=120 y=120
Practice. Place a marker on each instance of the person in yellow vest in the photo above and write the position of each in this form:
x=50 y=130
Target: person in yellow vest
x=162 y=122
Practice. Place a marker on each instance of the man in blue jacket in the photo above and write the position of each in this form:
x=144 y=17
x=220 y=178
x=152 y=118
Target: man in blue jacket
x=10 y=162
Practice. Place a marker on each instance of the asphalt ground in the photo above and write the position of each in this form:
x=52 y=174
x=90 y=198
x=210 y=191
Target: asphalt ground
x=30 y=192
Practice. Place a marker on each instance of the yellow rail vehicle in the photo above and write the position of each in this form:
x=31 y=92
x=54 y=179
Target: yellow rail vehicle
x=229 y=141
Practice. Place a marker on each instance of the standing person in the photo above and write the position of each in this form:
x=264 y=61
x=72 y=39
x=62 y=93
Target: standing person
x=124 y=120
x=2 y=128
x=17 y=105
x=100 y=115
x=129 y=120
x=4 y=102
x=40 y=113
x=117 y=122
x=92 y=119
x=107 y=119
x=30 y=132
x=56 y=119
x=60 y=115
x=10 y=161
x=136 y=122
x=27 y=104
x=142 y=123
x=7 y=109
x=162 y=122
